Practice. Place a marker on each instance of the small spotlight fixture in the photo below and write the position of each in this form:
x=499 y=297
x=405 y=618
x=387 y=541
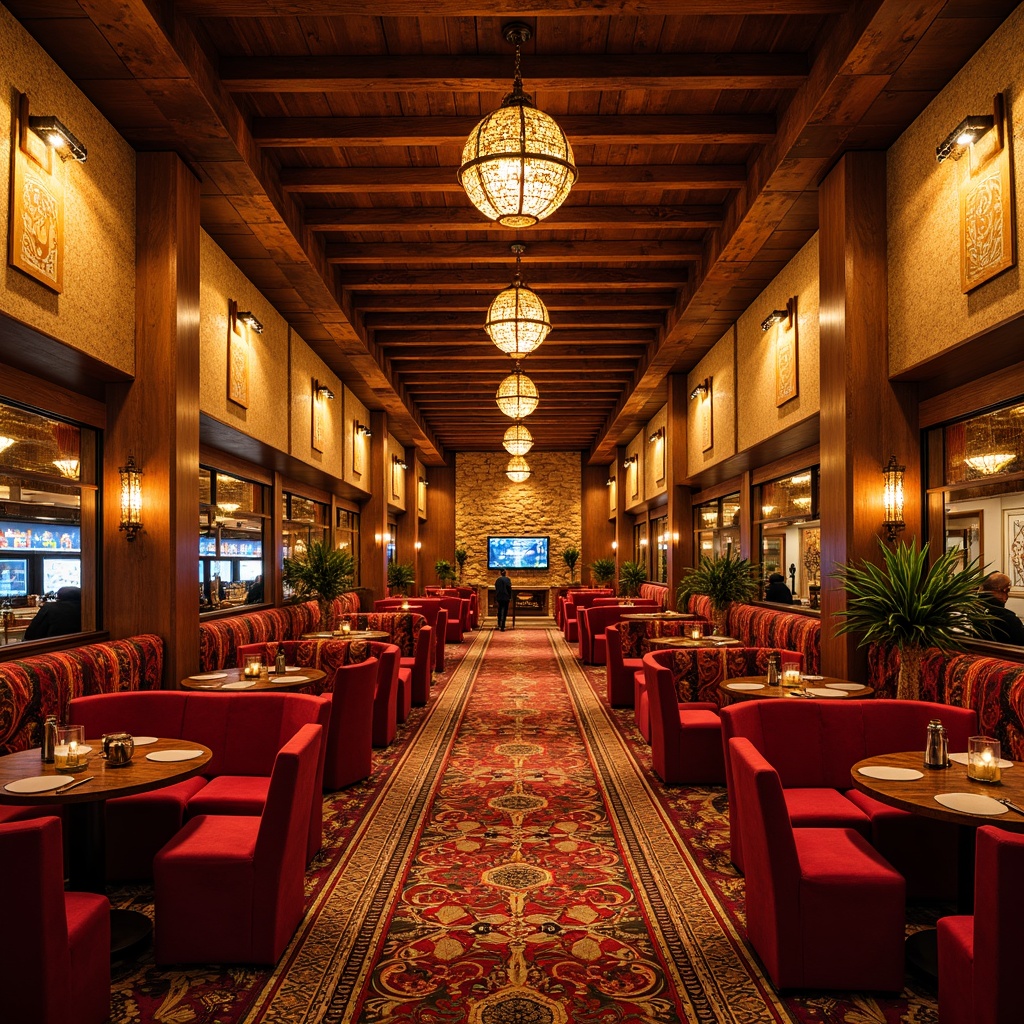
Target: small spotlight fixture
x=398 y=461
x=363 y=429
x=57 y=136
x=248 y=317
x=702 y=390
x=630 y=461
x=778 y=316
x=424 y=481
x=656 y=436
x=610 y=482
x=322 y=391
x=965 y=134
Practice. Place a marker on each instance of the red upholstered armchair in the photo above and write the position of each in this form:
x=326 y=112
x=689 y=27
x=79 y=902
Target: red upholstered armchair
x=619 y=670
x=56 y=962
x=229 y=889
x=980 y=954
x=824 y=910
x=593 y=621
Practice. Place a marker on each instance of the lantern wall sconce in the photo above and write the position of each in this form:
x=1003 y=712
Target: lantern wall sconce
x=131 y=498
x=615 y=545
x=418 y=545
x=322 y=391
x=399 y=462
x=363 y=429
x=969 y=131
x=658 y=435
x=702 y=390
x=629 y=461
x=58 y=137
x=893 y=476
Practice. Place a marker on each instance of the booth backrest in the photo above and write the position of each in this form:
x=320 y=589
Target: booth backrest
x=698 y=672
x=593 y=621
x=991 y=687
x=635 y=635
x=327 y=655
x=219 y=638
x=45 y=684
x=402 y=627
x=638 y=604
x=656 y=592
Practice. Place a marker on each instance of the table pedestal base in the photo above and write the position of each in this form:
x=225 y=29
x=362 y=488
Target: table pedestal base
x=129 y=931
x=922 y=952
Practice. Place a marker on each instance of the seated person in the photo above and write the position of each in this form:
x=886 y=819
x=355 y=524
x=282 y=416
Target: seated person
x=777 y=590
x=56 y=618
x=254 y=595
x=1005 y=628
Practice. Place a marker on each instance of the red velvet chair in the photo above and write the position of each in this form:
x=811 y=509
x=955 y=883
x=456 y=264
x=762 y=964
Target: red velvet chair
x=437 y=619
x=456 y=615
x=229 y=888
x=824 y=909
x=619 y=671
x=592 y=623
x=56 y=962
x=686 y=738
x=980 y=954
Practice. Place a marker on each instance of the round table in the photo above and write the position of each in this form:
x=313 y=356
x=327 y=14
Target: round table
x=658 y=616
x=86 y=817
x=773 y=692
x=352 y=634
x=687 y=642
x=297 y=680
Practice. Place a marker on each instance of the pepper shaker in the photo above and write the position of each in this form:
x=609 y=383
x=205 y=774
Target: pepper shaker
x=49 y=739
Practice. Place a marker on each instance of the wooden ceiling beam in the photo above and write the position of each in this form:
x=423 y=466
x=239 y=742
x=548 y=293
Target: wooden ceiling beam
x=604 y=72
x=509 y=8
x=582 y=129
x=593 y=178
x=399 y=253
x=467 y=218
x=396 y=339
x=477 y=302
x=541 y=278
x=400 y=320
x=547 y=357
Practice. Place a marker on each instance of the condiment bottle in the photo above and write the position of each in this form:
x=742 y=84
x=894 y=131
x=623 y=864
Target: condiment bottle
x=49 y=739
x=772 y=676
x=279 y=662
x=936 y=748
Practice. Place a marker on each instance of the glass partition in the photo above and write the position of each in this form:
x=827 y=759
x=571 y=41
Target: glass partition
x=716 y=526
x=786 y=517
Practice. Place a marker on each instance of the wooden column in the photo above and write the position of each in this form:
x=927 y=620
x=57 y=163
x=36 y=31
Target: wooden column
x=680 y=505
x=864 y=418
x=373 y=523
x=598 y=529
x=437 y=532
x=150 y=584
x=623 y=522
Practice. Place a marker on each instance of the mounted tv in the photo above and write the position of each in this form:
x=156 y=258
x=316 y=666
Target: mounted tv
x=517 y=552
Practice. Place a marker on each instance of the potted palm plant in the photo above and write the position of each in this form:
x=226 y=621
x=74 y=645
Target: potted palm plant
x=631 y=576
x=461 y=554
x=722 y=578
x=910 y=605
x=401 y=576
x=602 y=571
x=322 y=574
x=571 y=555
x=445 y=572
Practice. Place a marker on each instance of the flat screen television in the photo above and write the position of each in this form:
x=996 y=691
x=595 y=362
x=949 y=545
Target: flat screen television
x=13 y=577
x=517 y=552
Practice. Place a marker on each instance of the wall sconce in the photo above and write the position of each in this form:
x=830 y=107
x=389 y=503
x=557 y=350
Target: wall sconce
x=656 y=436
x=57 y=136
x=362 y=428
x=322 y=391
x=131 y=498
x=968 y=131
x=399 y=462
x=610 y=482
x=630 y=461
x=702 y=390
x=778 y=316
x=892 y=498
x=615 y=545
x=382 y=538
x=248 y=317
x=418 y=545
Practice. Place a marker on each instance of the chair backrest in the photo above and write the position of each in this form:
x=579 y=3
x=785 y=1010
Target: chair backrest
x=770 y=864
x=35 y=970
x=138 y=712
x=663 y=708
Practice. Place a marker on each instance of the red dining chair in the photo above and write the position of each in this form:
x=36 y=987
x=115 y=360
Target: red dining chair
x=56 y=961
x=229 y=888
x=980 y=954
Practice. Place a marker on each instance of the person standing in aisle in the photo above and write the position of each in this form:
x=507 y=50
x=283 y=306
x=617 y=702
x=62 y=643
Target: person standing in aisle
x=502 y=597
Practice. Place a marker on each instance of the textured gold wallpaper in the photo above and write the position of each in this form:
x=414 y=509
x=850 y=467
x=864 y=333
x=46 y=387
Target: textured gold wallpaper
x=718 y=364
x=356 y=447
x=95 y=313
x=305 y=366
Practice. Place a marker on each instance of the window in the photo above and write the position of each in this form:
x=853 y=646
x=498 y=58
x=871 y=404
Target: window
x=47 y=483
x=786 y=514
x=346 y=536
x=640 y=544
x=660 y=536
x=716 y=527
x=303 y=521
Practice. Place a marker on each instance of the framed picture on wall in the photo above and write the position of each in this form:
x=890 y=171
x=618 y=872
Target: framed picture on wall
x=1013 y=549
x=704 y=414
x=787 y=378
x=317 y=434
x=359 y=444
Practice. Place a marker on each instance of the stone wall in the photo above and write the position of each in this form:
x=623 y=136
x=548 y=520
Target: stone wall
x=487 y=503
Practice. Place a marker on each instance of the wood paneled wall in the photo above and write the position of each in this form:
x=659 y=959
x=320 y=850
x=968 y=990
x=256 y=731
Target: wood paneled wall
x=437 y=533
x=598 y=530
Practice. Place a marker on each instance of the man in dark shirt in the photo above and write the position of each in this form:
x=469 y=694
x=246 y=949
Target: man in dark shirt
x=502 y=597
x=56 y=618
x=1005 y=628
x=777 y=590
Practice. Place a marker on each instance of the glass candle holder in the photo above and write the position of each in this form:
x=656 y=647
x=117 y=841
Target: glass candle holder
x=253 y=667
x=983 y=759
x=791 y=677
x=346 y=627
x=405 y=606
x=69 y=752
x=696 y=633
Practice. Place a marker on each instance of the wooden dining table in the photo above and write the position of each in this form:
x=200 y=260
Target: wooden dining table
x=658 y=616
x=688 y=642
x=86 y=811
x=743 y=688
x=230 y=680
x=352 y=634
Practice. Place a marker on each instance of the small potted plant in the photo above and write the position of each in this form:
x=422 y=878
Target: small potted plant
x=401 y=576
x=322 y=574
x=461 y=554
x=445 y=572
x=571 y=555
x=632 y=575
x=602 y=571
x=724 y=579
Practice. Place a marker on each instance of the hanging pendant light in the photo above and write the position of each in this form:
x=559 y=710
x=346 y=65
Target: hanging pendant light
x=517 y=319
x=517 y=164
x=517 y=395
x=518 y=440
x=517 y=470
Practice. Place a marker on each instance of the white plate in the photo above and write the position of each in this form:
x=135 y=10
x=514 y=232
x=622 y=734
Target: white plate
x=962 y=759
x=173 y=755
x=292 y=668
x=288 y=679
x=745 y=686
x=883 y=771
x=810 y=679
x=242 y=684
x=843 y=686
x=144 y=741
x=821 y=691
x=39 y=783
x=971 y=803
x=211 y=675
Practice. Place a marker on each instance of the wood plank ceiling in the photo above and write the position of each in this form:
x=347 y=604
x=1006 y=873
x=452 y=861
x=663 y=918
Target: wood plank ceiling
x=327 y=143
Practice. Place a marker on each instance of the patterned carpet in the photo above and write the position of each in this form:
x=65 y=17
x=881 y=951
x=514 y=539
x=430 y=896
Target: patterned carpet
x=512 y=861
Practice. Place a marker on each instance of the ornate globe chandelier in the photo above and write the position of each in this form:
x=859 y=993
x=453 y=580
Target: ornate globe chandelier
x=518 y=440
x=517 y=395
x=517 y=470
x=517 y=164
x=517 y=320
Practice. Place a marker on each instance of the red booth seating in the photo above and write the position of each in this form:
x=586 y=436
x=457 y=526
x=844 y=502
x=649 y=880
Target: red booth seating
x=992 y=687
x=44 y=684
x=656 y=592
x=458 y=612
x=812 y=744
x=980 y=954
x=244 y=730
x=686 y=737
x=574 y=601
x=229 y=889
x=56 y=962
x=431 y=609
x=619 y=670
x=593 y=621
x=469 y=611
x=219 y=638
x=824 y=909
x=409 y=632
x=349 y=684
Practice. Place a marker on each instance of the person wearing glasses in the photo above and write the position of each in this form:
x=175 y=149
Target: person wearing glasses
x=1005 y=628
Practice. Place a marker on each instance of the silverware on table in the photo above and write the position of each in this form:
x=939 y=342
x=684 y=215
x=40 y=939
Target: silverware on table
x=71 y=785
x=1010 y=804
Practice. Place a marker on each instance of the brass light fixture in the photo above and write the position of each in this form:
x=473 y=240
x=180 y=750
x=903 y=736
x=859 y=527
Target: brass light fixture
x=131 y=498
x=517 y=470
x=965 y=134
x=892 y=498
x=610 y=482
x=517 y=320
x=517 y=395
x=399 y=462
x=630 y=460
x=58 y=137
x=517 y=165
x=518 y=440
x=658 y=435
x=991 y=462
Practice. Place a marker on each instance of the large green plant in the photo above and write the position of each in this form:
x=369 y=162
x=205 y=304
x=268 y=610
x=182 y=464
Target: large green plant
x=910 y=605
x=461 y=554
x=401 y=576
x=571 y=555
x=722 y=578
x=321 y=574
x=602 y=571
x=631 y=576
x=445 y=572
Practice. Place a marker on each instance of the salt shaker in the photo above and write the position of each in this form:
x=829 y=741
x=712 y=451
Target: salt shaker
x=936 y=748
x=772 y=676
x=279 y=662
x=49 y=739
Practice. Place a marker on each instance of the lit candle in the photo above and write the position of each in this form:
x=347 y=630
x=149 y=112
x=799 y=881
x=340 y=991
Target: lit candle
x=791 y=677
x=346 y=627
x=60 y=755
x=695 y=633
x=405 y=606
x=983 y=759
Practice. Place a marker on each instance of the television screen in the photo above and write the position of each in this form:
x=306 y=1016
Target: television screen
x=61 y=572
x=517 y=552
x=13 y=577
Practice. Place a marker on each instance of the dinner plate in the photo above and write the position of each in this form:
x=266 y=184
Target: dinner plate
x=745 y=686
x=289 y=679
x=842 y=686
x=971 y=803
x=292 y=668
x=39 y=783
x=211 y=675
x=810 y=679
x=821 y=691
x=173 y=755
x=962 y=759
x=884 y=771
x=144 y=741
x=242 y=684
